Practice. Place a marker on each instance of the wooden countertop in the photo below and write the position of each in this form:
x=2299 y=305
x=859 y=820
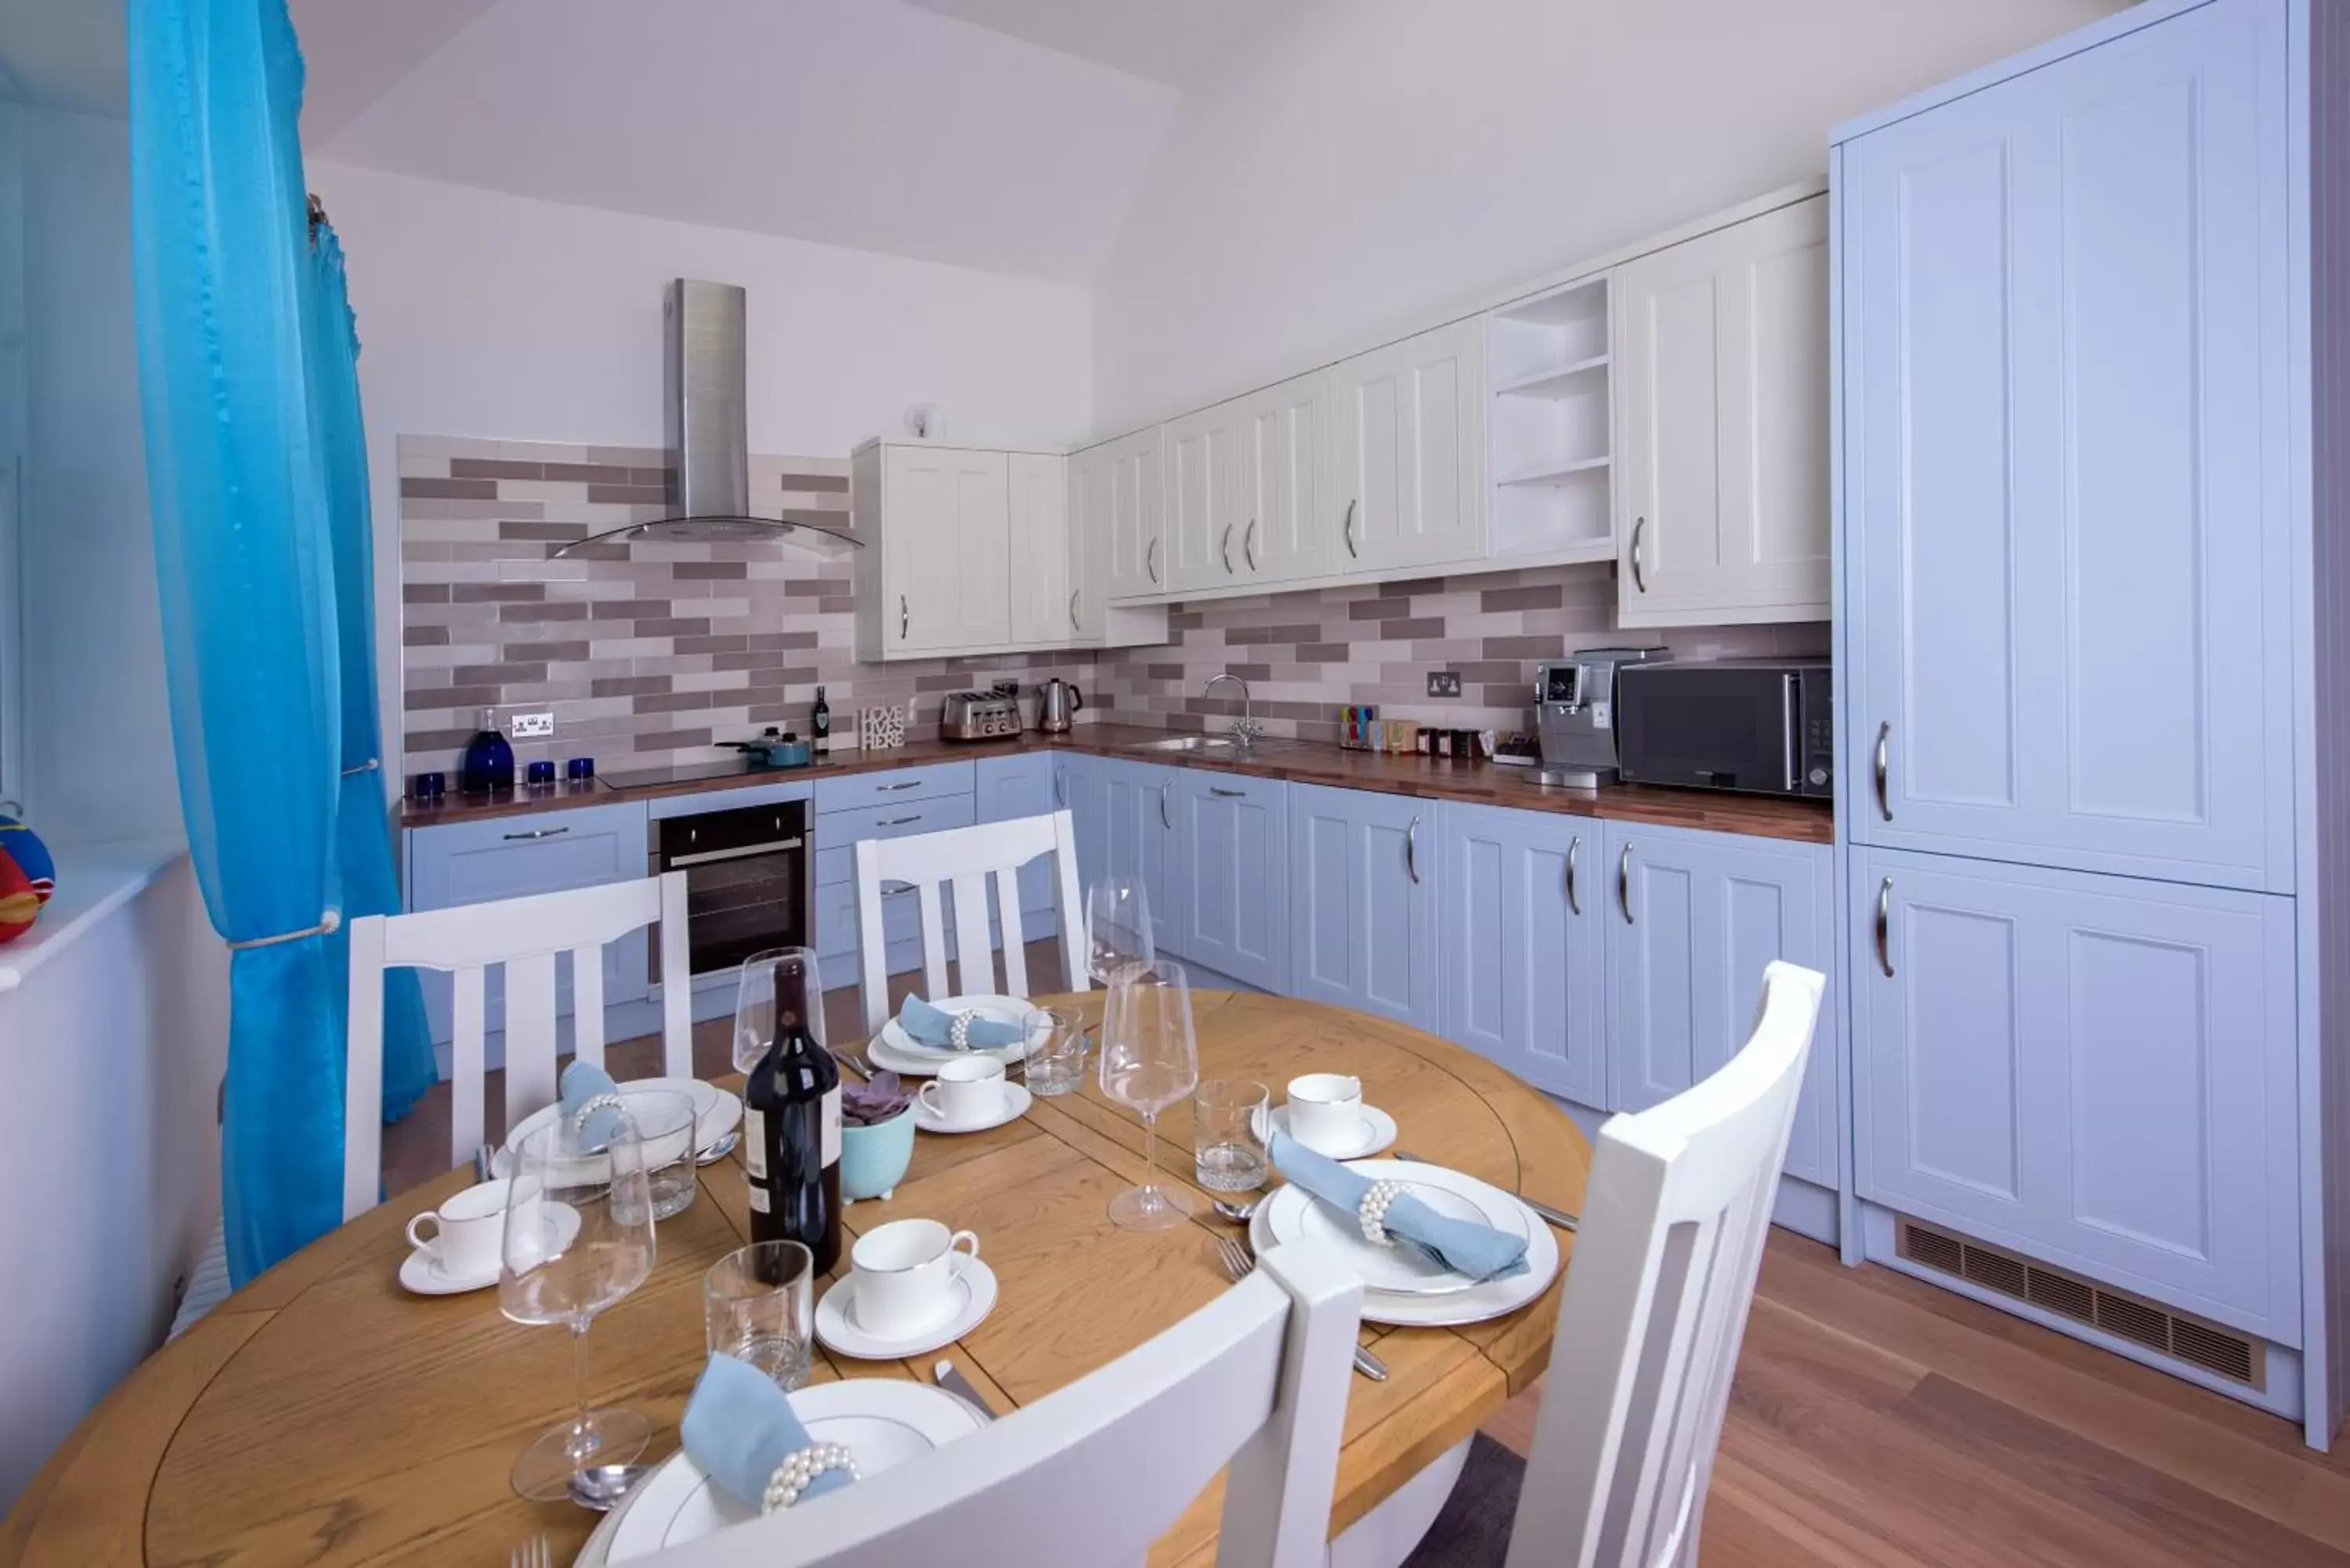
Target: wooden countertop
x=1482 y=784
x=325 y=1416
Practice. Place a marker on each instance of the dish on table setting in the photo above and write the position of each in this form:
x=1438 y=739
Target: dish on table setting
x=716 y=1113
x=421 y=1273
x=1378 y=1132
x=1016 y=1101
x=1401 y=1286
x=973 y=1294
x=900 y=1053
x=884 y=1422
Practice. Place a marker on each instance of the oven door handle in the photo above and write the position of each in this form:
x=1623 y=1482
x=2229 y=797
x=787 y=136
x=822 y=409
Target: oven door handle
x=712 y=856
x=1787 y=727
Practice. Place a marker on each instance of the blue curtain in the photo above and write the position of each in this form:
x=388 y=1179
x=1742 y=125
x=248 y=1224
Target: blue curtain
x=369 y=879
x=238 y=488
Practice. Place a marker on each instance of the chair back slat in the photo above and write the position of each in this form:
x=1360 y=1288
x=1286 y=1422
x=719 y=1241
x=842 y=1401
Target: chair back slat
x=1655 y=1307
x=1093 y=1475
x=529 y=939
x=969 y=861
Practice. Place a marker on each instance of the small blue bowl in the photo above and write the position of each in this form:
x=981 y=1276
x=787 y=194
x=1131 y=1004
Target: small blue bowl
x=873 y=1159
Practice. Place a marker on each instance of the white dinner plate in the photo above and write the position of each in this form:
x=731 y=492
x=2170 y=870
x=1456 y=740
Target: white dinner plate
x=716 y=1113
x=1298 y=1216
x=1006 y=1009
x=1493 y=1299
x=885 y=1421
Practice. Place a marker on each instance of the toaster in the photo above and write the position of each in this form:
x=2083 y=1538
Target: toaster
x=978 y=716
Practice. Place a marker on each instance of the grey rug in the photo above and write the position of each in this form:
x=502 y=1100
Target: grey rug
x=1473 y=1530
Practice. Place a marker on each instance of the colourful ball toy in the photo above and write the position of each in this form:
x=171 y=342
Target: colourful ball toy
x=32 y=856
x=19 y=905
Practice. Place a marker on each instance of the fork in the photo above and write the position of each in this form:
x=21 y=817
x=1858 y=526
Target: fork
x=1239 y=1264
x=531 y=1554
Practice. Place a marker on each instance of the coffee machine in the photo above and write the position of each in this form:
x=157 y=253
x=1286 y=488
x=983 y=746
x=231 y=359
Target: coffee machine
x=1575 y=710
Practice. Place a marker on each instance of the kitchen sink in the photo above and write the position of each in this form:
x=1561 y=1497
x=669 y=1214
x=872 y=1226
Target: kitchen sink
x=1218 y=745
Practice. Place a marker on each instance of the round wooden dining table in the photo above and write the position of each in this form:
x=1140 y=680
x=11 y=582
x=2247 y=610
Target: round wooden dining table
x=323 y=1415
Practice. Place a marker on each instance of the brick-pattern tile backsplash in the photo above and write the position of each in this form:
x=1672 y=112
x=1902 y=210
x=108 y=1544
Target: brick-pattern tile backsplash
x=650 y=654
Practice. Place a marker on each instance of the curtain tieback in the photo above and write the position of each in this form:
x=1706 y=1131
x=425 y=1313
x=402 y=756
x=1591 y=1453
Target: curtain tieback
x=368 y=766
x=329 y=924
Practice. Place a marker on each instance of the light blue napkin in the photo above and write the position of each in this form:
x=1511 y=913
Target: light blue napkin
x=739 y=1427
x=582 y=1081
x=1463 y=1246
x=934 y=1026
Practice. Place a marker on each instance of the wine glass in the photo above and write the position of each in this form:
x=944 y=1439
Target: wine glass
x=1149 y=1060
x=579 y=1237
x=791 y=971
x=1117 y=929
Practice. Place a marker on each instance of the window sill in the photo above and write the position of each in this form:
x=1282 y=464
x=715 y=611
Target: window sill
x=94 y=880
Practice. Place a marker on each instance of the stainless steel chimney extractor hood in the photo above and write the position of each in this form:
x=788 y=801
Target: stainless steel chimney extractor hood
x=709 y=435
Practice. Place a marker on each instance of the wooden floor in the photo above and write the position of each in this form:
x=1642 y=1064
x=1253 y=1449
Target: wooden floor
x=1878 y=1420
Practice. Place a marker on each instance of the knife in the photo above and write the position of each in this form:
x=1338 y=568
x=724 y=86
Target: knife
x=955 y=1383
x=1558 y=1217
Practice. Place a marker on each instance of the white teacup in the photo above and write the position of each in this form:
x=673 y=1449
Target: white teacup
x=967 y=1089
x=1326 y=1110
x=467 y=1228
x=905 y=1273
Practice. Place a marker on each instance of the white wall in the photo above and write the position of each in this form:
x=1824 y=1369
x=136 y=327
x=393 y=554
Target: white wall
x=485 y=315
x=1368 y=161
x=96 y=721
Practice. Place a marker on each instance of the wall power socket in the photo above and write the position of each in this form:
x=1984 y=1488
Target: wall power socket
x=535 y=726
x=1444 y=683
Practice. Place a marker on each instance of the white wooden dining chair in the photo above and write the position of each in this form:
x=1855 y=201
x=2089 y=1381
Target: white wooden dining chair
x=1091 y=1475
x=523 y=935
x=966 y=859
x=1655 y=1303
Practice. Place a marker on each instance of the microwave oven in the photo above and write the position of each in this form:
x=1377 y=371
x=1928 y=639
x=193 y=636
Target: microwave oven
x=1765 y=726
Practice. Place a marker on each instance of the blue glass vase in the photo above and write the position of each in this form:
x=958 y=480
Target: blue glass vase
x=489 y=762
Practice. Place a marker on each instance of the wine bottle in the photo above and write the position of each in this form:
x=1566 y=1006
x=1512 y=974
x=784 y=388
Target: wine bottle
x=820 y=726
x=791 y=1142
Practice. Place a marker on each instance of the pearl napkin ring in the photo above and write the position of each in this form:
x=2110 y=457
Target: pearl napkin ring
x=603 y=1102
x=958 y=1031
x=1371 y=1212
x=799 y=1470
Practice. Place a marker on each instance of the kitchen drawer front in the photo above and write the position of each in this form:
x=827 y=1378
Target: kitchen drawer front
x=2096 y=1071
x=837 y=836
x=861 y=791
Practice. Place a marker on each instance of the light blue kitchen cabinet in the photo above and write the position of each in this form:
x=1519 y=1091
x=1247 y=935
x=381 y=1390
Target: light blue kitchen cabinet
x=1126 y=827
x=1692 y=918
x=1019 y=784
x=2093 y=1070
x=1522 y=918
x=2064 y=406
x=1362 y=903
x=541 y=852
x=1231 y=836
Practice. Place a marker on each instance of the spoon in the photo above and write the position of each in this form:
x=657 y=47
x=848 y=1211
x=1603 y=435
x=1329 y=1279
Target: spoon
x=602 y=1488
x=1238 y=1213
x=719 y=1150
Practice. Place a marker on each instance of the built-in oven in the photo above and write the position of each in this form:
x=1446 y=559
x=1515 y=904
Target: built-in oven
x=750 y=879
x=1761 y=725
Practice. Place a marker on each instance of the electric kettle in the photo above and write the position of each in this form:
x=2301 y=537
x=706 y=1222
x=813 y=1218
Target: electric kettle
x=1056 y=707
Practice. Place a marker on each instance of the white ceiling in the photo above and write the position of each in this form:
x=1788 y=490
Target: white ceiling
x=1179 y=42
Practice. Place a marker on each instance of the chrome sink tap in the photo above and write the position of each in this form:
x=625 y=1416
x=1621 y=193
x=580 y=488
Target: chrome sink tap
x=1245 y=729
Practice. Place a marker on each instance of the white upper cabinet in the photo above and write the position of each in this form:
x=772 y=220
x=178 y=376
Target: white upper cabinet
x=1133 y=565
x=1089 y=540
x=1285 y=461
x=1722 y=376
x=938 y=532
x=1408 y=444
x=1203 y=497
x=1043 y=590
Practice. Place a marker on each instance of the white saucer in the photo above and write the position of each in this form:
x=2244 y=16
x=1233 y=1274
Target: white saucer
x=836 y=1327
x=716 y=1113
x=1377 y=1131
x=421 y=1273
x=1016 y=1101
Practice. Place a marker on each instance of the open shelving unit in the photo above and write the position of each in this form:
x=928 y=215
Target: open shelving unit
x=1550 y=421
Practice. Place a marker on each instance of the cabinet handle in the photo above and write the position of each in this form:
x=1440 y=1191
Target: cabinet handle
x=1164 y=820
x=539 y=832
x=1248 y=543
x=1228 y=548
x=1221 y=791
x=1640 y=570
x=1150 y=558
x=1411 y=850
x=900 y=891
x=898 y=821
x=1346 y=531
x=1624 y=884
x=1060 y=787
x=1884 y=759
x=1072 y=627
x=1787 y=727
x=1885 y=926
x=908 y=783
x=903 y=623
x=1573 y=898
